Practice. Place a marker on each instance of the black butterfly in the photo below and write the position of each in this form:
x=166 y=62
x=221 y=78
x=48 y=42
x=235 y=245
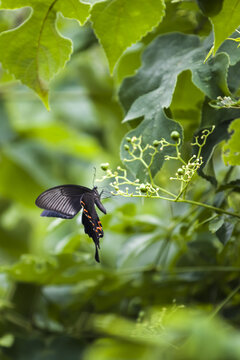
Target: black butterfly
x=65 y=201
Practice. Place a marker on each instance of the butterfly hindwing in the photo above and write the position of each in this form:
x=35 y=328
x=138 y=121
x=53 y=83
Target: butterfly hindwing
x=63 y=200
x=50 y=213
x=91 y=222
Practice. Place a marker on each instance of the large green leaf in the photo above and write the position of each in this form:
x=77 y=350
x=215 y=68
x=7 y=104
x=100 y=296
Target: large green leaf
x=37 y=52
x=225 y=22
x=153 y=85
x=120 y=23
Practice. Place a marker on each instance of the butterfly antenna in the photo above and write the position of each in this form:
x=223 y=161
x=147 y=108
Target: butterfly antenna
x=94 y=175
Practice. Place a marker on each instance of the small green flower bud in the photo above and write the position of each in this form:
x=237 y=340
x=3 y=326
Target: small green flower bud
x=156 y=143
x=126 y=147
x=143 y=188
x=128 y=139
x=175 y=135
x=104 y=166
x=180 y=171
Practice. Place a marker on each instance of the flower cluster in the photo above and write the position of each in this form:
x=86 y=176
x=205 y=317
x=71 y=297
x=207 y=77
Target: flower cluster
x=225 y=102
x=186 y=172
x=124 y=186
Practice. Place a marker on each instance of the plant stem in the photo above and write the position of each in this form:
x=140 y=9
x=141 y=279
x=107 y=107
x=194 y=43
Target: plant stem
x=183 y=189
x=210 y=207
x=225 y=301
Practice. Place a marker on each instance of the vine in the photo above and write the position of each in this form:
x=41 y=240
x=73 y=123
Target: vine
x=122 y=185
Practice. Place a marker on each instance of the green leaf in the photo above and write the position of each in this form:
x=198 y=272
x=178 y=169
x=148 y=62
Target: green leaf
x=231 y=150
x=230 y=47
x=153 y=85
x=219 y=134
x=233 y=185
x=119 y=24
x=211 y=116
x=129 y=62
x=215 y=224
x=40 y=52
x=152 y=128
x=225 y=22
x=221 y=119
x=73 y=9
x=211 y=77
x=224 y=233
x=210 y=8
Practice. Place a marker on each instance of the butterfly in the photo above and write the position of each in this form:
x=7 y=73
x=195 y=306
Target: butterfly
x=65 y=201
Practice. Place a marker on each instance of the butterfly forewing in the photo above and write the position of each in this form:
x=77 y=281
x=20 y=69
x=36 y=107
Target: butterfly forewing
x=64 y=199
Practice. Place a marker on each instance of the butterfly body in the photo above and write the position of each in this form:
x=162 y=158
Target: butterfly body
x=65 y=201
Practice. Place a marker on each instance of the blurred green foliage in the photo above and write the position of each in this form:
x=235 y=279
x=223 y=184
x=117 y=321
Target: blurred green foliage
x=168 y=271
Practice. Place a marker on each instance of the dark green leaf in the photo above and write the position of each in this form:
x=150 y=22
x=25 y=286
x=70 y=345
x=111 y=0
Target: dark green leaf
x=210 y=8
x=231 y=48
x=233 y=185
x=219 y=134
x=225 y=232
x=153 y=85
